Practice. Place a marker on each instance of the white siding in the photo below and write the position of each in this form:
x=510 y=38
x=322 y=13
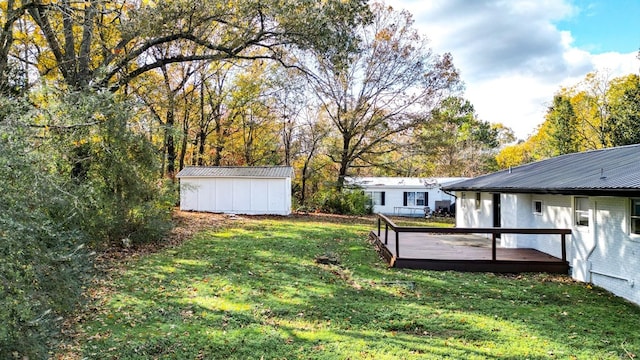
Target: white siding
x=468 y=215
x=614 y=263
x=556 y=213
x=260 y=195
x=511 y=217
x=250 y=196
x=223 y=198
x=189 y=194
x=603 y=253
x=279 y=195
x=241 y=196
x=394 y=198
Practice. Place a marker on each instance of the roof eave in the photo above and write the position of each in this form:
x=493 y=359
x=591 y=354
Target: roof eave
x=626 y=192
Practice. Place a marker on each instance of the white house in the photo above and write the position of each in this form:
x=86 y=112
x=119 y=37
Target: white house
x=405 y=195
x=596 y=194
x=237 y=190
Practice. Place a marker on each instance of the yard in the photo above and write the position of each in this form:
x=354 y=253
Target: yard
x=253 y=288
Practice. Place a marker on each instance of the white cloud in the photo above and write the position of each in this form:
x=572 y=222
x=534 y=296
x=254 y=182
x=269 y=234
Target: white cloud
x=510 y=54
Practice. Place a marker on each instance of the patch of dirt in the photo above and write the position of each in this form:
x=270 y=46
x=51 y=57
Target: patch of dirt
x=186 y=224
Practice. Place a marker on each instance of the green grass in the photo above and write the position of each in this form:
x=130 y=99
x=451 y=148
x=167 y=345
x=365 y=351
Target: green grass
x=254 y=291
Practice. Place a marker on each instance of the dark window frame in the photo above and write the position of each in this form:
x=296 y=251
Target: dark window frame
x=634 y=216
x=537 y=207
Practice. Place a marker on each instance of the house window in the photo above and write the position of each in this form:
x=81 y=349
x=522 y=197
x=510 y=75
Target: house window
x=635 y=216
x=463 y=200
x=537 y=207
x=478 y=197
x=377 y=197
x=582 y=211
x=415 y=198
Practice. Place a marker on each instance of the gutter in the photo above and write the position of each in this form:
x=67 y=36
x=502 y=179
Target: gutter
x=448 y=193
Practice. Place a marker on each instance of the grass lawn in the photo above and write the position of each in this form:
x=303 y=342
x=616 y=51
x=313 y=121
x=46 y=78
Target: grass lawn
x=253 y=290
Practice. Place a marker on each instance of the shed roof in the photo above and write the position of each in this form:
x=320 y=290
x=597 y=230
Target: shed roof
x=611 y=171
x=237 y=171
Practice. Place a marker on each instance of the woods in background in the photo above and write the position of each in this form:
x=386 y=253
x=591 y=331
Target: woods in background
x=597 y=113
x=102 y=102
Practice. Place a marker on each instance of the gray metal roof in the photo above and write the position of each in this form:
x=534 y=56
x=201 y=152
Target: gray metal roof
x=401 y=182
x=612 y=171
x=237 y=171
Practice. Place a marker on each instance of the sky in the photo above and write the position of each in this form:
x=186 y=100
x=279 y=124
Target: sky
x=514 y=55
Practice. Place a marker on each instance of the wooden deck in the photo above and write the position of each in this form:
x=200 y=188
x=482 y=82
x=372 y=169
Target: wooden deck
x=461 y=252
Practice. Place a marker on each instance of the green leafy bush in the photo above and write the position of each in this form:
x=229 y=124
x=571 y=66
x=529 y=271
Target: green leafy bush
x=348 y=202
x=114 y=170
x=74 y=177
x=44 y=262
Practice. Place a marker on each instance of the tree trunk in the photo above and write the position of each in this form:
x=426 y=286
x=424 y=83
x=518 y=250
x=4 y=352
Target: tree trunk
x=345 y=163
x=185 y=136
x=202 y=137
x=171 y=148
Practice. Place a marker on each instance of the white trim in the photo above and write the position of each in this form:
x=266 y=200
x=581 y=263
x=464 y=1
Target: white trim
x=587 y=211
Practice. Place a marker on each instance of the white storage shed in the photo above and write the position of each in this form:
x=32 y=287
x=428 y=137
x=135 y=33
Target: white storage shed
x=256 y=190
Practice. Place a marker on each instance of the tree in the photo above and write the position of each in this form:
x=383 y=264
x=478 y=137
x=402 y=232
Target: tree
x=624 y=107
x=11 y=12
x=456 y=142
x=590 y=104
x=313 y=133
x=119 y=196
x=595 y=113
x=384 y=89
x=108 y=43
x=161 y=91
x=291 y=99
x=45 y=263
x=564 y=126
x=539 y=146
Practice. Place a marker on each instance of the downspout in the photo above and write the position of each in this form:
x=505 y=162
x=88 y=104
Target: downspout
x=448 y=193
x=595 y=242
x=455 y=202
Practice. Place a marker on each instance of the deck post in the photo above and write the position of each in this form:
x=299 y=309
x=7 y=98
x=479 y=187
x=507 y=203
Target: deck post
x=386 y=233
x=564 y=247
x=397 y=245
x=493 y=246
x=378 y=227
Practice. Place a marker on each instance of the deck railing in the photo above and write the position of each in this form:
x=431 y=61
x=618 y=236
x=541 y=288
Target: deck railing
x=493 y=231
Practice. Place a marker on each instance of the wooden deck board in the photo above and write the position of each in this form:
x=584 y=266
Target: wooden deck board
x=462 y=252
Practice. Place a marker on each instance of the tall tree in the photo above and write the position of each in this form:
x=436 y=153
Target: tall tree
x=456 y=142
x=624 y=107
x=590 y=104
x=161 y=91
x=384 y=89
x=596 y=113
x=313 y=132
x=11 y=13
x=564 y=126
x=108 y=43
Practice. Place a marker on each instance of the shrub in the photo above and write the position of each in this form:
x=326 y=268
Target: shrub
x=112 y=169
x=44 y=262
x=73 y=175
x=347 y=202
